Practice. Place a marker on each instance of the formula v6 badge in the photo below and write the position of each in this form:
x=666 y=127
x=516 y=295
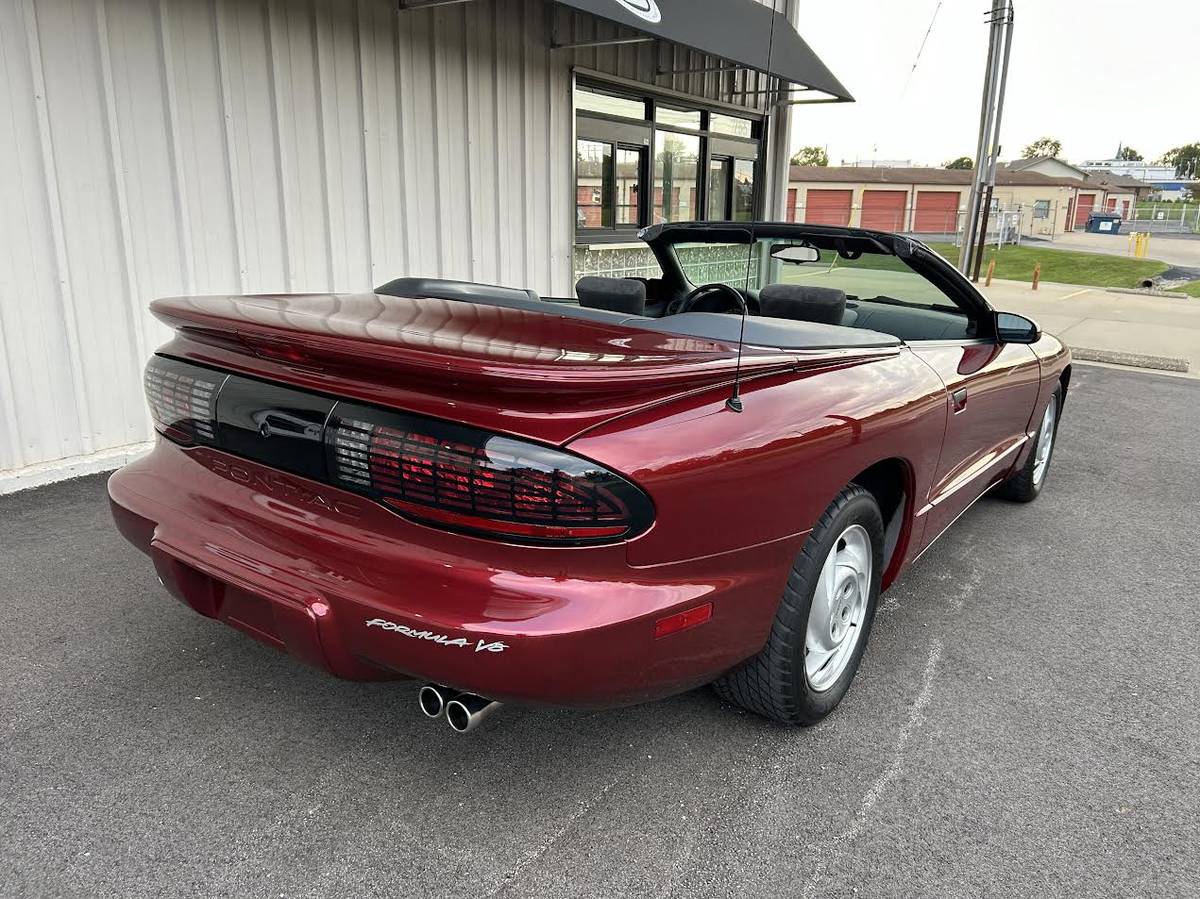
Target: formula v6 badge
x=440 y=639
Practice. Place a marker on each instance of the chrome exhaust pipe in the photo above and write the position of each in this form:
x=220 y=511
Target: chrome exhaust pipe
x=433 y=699
x=466 y=712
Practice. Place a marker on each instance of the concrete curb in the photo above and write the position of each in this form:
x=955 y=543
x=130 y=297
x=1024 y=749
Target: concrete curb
x=1148 y=292
x=15 y=480
x=1134 y=360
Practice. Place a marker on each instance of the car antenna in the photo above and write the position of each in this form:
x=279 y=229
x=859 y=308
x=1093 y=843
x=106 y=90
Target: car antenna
x=734 y=403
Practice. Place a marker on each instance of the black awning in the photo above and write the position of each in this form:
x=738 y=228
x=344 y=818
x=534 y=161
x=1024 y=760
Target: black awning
x=737 y=30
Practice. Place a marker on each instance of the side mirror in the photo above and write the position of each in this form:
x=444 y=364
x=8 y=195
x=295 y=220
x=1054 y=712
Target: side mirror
x=1013 y=328
x=796 y=253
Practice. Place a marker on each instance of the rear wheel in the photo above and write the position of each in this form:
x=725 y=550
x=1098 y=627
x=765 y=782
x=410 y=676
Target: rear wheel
x=824 y=619
x=1024 y=485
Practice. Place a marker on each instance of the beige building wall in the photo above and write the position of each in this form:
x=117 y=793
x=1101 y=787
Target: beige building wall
x=1122 y=197
x=1026 y=198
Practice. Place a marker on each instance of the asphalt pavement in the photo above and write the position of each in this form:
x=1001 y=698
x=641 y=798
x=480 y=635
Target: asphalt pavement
x=1182 y=250
x=1025 y=723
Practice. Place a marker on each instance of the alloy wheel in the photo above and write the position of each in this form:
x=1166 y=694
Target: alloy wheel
x=1041 y=459
x=839 y=607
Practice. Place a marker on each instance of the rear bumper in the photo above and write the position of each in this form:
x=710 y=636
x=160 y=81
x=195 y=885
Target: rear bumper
x=348 y=586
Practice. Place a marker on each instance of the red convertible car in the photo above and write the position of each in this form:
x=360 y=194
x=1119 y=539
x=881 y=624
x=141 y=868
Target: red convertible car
x=704 y=476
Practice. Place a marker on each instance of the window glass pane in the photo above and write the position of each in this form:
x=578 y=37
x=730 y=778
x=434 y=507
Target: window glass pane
x=728 y=124
x=879 y=286
x=718 y=189
x=677 y=118
x=743 y=190
x=872 y=279
x=609 y=104
x=629 y=174
x=593 y=184
x=676 y=159
x=725 y=263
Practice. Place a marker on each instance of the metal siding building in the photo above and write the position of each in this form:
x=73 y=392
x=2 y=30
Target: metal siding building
x=161 y=147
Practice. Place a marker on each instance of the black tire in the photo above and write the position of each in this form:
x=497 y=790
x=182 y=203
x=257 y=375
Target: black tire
x=1022 y=486
x=774 y=683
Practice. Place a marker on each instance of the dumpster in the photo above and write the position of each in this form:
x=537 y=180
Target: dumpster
x=1104 y=223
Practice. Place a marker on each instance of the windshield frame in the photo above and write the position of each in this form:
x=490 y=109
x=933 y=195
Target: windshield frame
x=661 y=239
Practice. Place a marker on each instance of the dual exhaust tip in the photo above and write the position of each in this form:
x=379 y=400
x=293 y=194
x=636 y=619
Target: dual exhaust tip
x=464 y=711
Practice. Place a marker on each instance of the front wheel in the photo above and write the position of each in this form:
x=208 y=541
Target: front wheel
x=823 y=621
x=1024 y=485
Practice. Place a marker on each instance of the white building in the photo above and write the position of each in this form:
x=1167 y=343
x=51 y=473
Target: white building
x=240 y=146
x=1161 y=177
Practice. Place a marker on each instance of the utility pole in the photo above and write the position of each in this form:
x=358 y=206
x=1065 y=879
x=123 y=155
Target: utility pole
x=987 y=150
x=995 y=155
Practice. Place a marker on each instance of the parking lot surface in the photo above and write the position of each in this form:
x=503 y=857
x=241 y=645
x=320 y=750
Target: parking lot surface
x=1025 y=723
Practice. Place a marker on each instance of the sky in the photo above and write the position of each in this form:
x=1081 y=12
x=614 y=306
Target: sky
x=1092 y=74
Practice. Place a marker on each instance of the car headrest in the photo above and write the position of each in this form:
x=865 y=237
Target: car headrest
x=464 y=291
x=801 y=302
x=615 y=294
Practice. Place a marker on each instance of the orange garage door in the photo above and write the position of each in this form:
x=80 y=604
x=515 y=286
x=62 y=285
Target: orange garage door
x=937 y=212
x=883 y=210
x=828 y=207
x=1083 y=209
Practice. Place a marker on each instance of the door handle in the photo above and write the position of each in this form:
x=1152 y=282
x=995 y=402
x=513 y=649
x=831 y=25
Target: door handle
x=959 y=398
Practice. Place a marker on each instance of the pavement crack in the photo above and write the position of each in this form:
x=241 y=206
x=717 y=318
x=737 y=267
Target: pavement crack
x=966 y=587
x=832 y=848
x=510 y=876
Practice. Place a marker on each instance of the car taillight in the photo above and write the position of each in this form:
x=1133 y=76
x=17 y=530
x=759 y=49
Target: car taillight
x=183 y=399
x=468 y=480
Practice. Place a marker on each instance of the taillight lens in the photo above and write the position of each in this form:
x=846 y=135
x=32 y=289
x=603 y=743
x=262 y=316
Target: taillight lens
x=183 y=399
x=467 y=480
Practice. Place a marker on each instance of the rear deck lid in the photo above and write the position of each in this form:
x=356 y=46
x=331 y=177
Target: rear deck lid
x=531 y=373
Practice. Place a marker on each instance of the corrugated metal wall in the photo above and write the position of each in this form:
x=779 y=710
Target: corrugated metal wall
x=158 y=147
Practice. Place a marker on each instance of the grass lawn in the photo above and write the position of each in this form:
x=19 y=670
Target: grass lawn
x=1192 y=288
x=1064 y=266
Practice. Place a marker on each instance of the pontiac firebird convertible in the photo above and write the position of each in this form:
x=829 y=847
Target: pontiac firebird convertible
x=589 y=502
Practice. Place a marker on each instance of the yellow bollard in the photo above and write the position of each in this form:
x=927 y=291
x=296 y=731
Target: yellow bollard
x=991 y=271
x=1037 y=275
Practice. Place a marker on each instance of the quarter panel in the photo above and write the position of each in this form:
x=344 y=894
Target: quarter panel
x=721 y=480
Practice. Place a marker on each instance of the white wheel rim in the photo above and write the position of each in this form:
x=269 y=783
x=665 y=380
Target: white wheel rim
x=839 y=608
x=1041 y=458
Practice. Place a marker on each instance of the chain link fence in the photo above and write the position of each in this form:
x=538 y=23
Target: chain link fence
x=1164 y=218
x=932 y=225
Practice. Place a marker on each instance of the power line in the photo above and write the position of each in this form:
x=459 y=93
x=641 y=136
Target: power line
x=921 y=49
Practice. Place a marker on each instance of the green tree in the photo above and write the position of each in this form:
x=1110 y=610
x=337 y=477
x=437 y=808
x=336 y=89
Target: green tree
x=811 y=156
x=1043 y=146
x=1186 y=160
x=1128 y=154
x=963 y=162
